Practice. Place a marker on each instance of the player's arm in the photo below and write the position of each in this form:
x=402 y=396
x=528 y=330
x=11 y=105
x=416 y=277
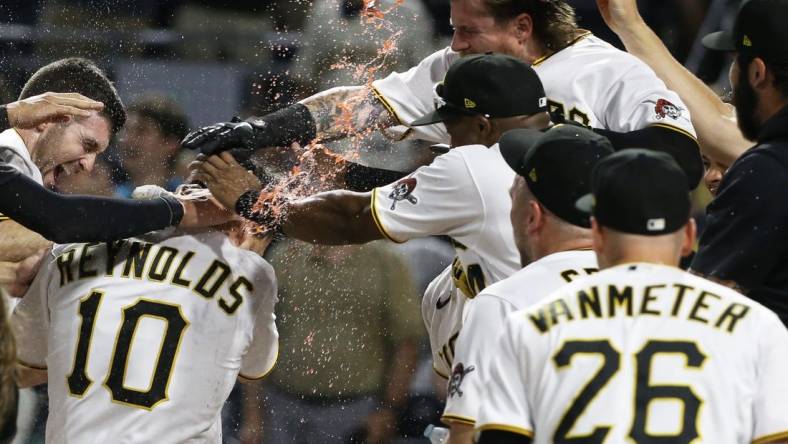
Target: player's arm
x=344 y=217
x=17 y=242
x=30 y=323
x=29 y=377
x=32 y=111
x=325 y=116
x=397 y=99
x=63 y=219
x=718 y=133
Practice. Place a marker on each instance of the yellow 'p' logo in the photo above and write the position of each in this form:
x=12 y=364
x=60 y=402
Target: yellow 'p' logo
x=470 y=103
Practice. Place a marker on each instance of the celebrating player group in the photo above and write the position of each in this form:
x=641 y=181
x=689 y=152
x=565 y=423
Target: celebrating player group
x=581 y=306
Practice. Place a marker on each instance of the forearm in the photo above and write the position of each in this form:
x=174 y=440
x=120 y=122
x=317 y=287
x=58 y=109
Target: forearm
x=460 y=433
x=8 y=272
x=30 y=377
x=718 y=133
x=401 y=370
x=331 y=218
x=347 y=110
x=78 y=218
x=18 y=243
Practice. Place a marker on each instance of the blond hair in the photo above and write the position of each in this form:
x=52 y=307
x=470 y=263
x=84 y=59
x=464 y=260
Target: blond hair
x=554 y=21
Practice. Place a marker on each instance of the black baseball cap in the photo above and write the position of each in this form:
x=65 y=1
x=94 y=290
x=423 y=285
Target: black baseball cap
x=493 y=85
x=759 y=31
x=638 y=191
x=556 y=165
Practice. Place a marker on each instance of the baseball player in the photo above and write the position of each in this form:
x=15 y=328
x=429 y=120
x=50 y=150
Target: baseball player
x=143 y=339
x=36 y=155
x=641 y=351
x=553 y=238
x=586 y=80
x=462 y=194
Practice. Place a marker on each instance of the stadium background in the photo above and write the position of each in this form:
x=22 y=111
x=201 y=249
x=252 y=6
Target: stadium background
x=216 y=59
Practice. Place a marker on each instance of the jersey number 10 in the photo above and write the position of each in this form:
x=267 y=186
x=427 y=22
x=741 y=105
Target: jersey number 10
x=79 y=381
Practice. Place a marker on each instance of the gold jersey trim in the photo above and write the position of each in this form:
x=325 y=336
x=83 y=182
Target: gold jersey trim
x=378 y=223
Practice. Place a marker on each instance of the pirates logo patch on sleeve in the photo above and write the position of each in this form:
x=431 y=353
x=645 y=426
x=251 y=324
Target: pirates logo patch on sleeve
x=457 y=375
x=666 y=109
x=402 y=191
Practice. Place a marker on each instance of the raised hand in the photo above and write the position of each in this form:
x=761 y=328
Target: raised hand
x=48 y=107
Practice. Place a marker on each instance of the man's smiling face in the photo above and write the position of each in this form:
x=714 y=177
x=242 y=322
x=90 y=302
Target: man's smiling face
x=69 y=148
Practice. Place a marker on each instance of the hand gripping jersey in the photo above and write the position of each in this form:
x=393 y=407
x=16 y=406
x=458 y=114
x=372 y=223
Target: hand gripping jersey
x=485 y=316
x=590 y=82
x=143 y=339
x=641 y=353
x=463 y=194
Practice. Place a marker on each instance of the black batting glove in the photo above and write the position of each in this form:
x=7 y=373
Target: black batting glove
x=213 y=139
x=280 y=128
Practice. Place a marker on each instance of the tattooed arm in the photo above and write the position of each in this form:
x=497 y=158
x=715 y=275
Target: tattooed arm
x=326 y=116
x=345 y=110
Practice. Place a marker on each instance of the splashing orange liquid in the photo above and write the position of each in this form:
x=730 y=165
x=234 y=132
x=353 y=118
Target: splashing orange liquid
x=322 y=164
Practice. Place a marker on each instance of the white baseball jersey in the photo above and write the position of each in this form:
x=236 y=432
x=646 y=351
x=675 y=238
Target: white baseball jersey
x=463 y=194
x=485 y=316
x=590 y=82
x=143 y=339
x=14 y=152
x=636 y=352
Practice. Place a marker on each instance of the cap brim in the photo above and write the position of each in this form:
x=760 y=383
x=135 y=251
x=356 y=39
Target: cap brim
x=441 y=114
x=515 y=146
x=719 y=41
x=585 y=203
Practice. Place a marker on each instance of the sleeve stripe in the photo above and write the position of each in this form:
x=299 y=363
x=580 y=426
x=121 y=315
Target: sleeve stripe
x=771 y=438
x=266 y=373
x=678 y=130
x=29 y=365
x=506 y=428
x=447 y=418
x=386 y=104
x=376 y=218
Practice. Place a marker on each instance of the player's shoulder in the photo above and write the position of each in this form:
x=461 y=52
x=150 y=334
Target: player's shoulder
x=457 y=163
x=591 y=55
x=440 y=60
x=541 y=278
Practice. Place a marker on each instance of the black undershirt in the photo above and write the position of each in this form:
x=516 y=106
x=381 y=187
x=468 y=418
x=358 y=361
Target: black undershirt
x=66 y=219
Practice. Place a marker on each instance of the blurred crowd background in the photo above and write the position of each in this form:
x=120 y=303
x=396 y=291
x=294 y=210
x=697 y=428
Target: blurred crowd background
x=349 y=317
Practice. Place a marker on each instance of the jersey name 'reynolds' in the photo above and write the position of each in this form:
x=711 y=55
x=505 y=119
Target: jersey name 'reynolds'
x=600 y=301
x=133 y=259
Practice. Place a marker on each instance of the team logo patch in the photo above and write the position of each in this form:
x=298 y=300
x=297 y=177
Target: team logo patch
x=402 y=191
x=457 y=376
x=666 y=109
